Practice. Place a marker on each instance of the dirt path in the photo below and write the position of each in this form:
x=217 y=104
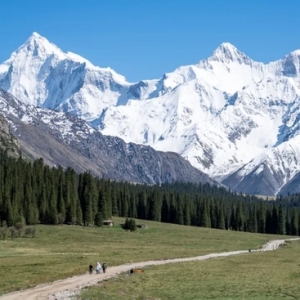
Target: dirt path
x=65 y=288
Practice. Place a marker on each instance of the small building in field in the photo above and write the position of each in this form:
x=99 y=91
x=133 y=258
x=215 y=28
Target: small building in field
x=141 y=226
x=108 y=223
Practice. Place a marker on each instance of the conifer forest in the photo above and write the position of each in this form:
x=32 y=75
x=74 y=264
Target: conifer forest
x=35 y=193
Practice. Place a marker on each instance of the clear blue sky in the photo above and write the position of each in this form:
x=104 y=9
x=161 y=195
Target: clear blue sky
x=142 y=39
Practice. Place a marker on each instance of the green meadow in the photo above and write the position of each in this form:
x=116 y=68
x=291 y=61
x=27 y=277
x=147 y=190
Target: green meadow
x=258 y=276
x=58 y=252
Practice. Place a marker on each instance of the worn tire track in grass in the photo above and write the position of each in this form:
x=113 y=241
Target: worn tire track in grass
x=65 y=288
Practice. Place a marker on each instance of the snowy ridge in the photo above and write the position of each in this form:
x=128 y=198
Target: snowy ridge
x=58 y=121
x=40 y=74
x=230 y=116
x=66 y=140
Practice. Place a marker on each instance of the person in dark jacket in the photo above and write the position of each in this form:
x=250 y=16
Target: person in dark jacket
x=104 y=267
x=91 y=268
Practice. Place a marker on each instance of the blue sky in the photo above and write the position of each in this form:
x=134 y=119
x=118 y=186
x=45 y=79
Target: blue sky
x=142 y=39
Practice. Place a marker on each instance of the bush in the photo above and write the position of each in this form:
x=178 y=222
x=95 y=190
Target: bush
x=130 y=224
x=30 y=231
x=19 y=226
x=3 y=232
x=61 y=218
x=13 y=231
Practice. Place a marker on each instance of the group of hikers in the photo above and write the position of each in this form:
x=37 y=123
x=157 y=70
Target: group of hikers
x=98 y=268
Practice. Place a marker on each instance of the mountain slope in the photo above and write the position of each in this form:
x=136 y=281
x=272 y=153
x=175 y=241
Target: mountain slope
x=274 y=172
x=221 y=113
x=7 y=141
x=63 y=139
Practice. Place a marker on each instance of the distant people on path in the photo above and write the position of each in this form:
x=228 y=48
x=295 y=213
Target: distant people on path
x=91 y=268
x=104 y=267
x=98 y=268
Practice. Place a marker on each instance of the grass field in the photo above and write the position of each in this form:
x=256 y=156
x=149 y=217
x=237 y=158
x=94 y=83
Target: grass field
x=61 y=251
x=258 y=276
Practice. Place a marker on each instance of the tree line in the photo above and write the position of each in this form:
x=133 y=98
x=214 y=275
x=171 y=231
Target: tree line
x=33 y=193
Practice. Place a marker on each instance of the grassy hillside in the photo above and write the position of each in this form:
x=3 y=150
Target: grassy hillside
x=256 y=276
x=62 y=251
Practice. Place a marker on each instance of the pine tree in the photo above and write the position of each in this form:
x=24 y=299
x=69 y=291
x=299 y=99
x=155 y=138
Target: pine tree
x=74 y=212
x=298 y=222
x=179 y=210
x=124 y=202
x=154 y=209
x=213 y=214
x=53 y=214
x=165 y=209
x=89 y=199
x=133 y=203
x=288 y=228
x=204 y=218
x=98 y=219
x=115 y=209
x=274 y=220
x=107 y=189
x=294 y=222
x=79 y=217
x=61 y=202
x=103 y=204
x=281 y=220
x=253 y=220
x=187 y=213
x=240 y=217
x=261 y=215
x=221 y=218
x=125 y=205
x=130 y=224
x=29 y=207
x=43 y=207
x=172 y=208
x=9 y=214
x=142 y=211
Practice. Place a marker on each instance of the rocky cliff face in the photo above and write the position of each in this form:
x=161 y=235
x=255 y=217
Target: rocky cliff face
x=7 y=141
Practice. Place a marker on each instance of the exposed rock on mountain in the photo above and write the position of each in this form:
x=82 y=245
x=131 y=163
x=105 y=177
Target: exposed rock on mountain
x=7 y=141
x=63 y=139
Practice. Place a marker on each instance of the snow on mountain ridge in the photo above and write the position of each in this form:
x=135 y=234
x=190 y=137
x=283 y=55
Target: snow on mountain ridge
x=222 y=113
x=40 y=74
x=235 y=111
x=226 y=53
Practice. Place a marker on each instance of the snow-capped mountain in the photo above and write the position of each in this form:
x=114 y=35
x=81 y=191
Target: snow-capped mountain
x=231 y=117
x=225 y=114
x=40 y=74
x=65 y=140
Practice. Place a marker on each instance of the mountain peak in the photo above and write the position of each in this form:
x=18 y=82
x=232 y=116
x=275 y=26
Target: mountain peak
x=36 y=35
x=37 y=38
x=227 y=52
x=294 y=53
x=228 y=46
x=39 y=46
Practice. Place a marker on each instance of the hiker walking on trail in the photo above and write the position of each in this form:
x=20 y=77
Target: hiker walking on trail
x=90 y=268
x=98 y=268
x=104 y=267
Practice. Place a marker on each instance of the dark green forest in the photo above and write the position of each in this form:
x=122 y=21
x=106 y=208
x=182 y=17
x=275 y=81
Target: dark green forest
x=34 y=193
